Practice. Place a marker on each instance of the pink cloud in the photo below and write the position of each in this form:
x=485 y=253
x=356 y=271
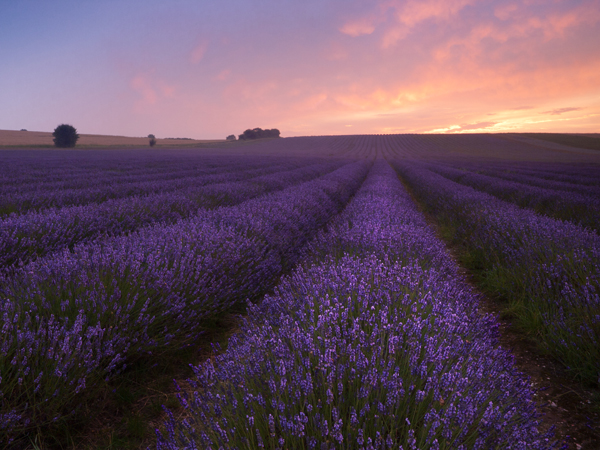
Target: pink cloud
x=198 y=53
x=312 y=102
x=359 y=27
x=245 y=90
x=414 y=12
x=142 y=86
x=506 y=11
x=426 y=64
x=394 y=34
x=586 y=13
x=150 y=91
x=166 y=90
x=336 y=52
x=223 y=75
x=518 y=20
x=411 y=13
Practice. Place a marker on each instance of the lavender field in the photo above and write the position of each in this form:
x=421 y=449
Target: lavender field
x=361 y=330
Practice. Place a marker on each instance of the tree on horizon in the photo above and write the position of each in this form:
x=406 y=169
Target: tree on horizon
x=65 y=136
x=259 y=133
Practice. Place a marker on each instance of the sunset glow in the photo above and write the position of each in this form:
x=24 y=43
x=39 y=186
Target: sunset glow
x=205 y=70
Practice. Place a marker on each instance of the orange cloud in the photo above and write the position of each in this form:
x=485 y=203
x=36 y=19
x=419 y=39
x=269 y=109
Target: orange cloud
x=559 y=111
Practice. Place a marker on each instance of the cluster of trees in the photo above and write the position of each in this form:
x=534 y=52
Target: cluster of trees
x=66 y=135
x=257 y=133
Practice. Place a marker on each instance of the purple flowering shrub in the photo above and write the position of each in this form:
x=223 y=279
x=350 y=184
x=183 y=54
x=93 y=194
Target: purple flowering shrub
x=372 y=342
x=35 y=180
x=579 y=208
x=549 y=270
x=581 y=178
x=72 y=318
x=34 y=234
x=99 y=183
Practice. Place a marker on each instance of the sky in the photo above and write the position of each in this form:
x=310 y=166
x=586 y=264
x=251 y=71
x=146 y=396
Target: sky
x=206 y=69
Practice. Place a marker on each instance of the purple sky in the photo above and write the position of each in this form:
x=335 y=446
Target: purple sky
x=206 y=69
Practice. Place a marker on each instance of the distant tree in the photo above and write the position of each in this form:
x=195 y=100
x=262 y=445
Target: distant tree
x=23 y=129
x=152 y=141
x=65 y=136
x=151 y=136
x=231 y=137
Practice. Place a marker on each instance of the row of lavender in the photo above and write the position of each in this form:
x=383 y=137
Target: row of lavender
x=59 y=170
x=71 y=178
x=28 y=236
x=24 y=167
x=577 y=203
x=73 y=318
x=555 y=181
x=548 y=269
x=38 y=180
x=34 y=166
x=41 y=197
x=373 y=342
x=578 y=174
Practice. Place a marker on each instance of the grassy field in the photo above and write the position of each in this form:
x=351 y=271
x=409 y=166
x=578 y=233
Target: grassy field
x=12 y=138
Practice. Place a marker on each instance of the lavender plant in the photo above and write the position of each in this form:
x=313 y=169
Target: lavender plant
x=548 y=270
x=372 y=343
x=24 y=238
x=579 y=208
x=40 y=199
x=75 y=317
x=551 y=175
